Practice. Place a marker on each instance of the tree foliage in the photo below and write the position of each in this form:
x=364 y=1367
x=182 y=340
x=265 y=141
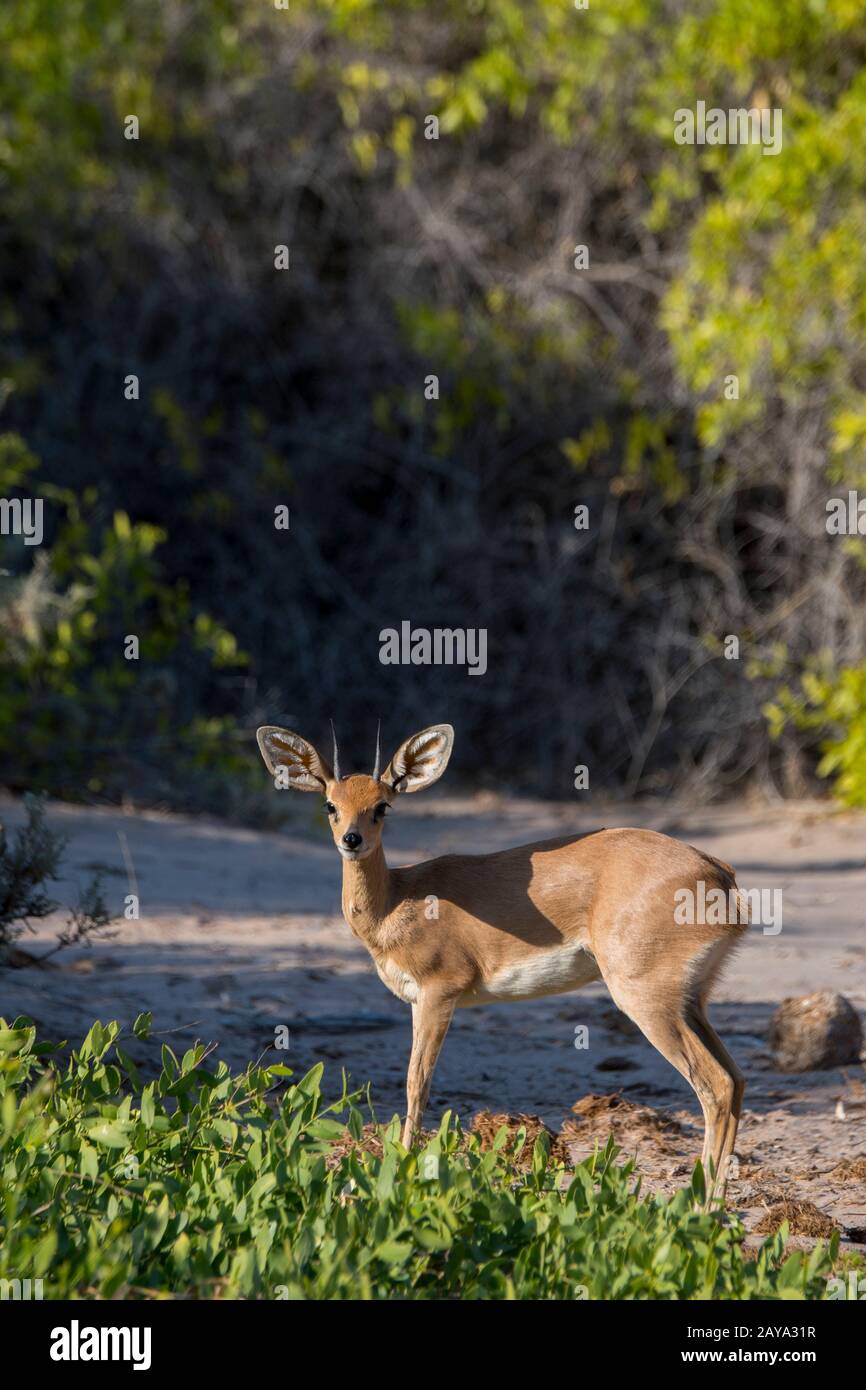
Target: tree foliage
x=455 y=256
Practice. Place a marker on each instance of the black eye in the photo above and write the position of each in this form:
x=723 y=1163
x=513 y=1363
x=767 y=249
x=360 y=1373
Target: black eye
x=380 y=810
x=330 y=808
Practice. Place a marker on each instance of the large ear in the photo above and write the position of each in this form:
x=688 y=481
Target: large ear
x=421 y=760
x=306 y=771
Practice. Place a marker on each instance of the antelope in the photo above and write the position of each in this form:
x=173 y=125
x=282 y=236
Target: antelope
x=541 y=919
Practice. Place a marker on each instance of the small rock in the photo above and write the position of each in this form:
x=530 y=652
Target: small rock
x=815 y=1032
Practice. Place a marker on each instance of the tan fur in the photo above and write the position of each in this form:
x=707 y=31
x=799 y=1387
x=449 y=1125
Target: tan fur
x=537 y=920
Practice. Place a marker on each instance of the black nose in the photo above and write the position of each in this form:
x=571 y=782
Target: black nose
x=351 y=839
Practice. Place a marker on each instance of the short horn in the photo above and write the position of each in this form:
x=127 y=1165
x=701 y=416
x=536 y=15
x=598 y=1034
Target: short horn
x=336 y=754
x=376 y=763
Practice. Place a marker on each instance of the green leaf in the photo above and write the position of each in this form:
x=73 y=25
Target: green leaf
x=15 y=1040
x=393 y=1252
x=148 y=1107
x=89 y=1161
x=112 y=1135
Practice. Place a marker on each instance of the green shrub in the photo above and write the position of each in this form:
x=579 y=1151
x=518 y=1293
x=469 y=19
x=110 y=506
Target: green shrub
x=101 y=721
x=831 y=702
x=200 y=1183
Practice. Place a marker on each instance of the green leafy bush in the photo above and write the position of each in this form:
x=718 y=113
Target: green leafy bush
x=201 y=1183
x=98 y=720
x=832 y=703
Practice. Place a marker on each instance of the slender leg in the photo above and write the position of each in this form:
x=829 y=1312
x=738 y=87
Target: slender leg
x=430 y=1019
x=712 y=1041
x=680 y=1032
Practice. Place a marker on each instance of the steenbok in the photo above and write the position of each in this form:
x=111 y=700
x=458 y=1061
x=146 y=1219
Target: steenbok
x=541 y=919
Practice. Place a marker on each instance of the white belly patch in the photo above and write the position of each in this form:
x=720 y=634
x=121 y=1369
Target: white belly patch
x=548 y=970
x=397 y=980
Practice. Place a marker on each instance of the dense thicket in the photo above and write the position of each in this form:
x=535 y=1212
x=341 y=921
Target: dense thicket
x=410 y=257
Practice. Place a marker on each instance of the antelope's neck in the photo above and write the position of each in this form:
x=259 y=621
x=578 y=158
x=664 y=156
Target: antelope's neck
x=366 y=894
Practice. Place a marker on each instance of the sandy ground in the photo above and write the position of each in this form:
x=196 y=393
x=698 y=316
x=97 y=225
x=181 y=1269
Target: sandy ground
x=240 y=933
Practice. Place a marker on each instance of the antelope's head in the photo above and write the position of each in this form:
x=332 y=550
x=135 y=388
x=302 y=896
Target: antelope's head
x=357 y=804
